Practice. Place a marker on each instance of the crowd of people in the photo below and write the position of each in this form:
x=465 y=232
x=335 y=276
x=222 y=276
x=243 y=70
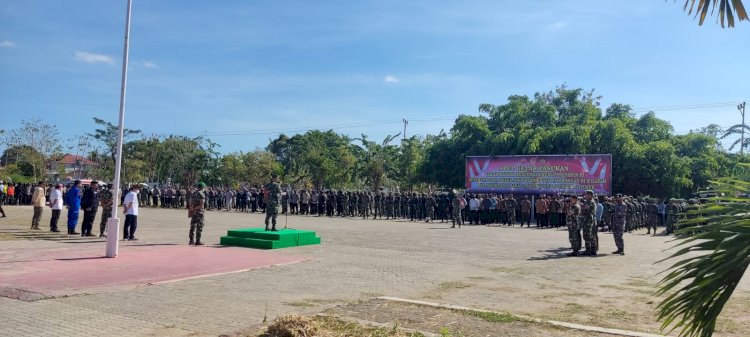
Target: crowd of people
x=583 y=216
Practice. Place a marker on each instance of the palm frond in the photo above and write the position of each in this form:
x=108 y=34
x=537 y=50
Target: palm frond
x=712 y=254
x=726 y=10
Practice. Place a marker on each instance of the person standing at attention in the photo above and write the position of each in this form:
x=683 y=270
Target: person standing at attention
x=73 y=200
x=38 y=201
x=130 y=210
x=90 y=205
x=197 y=204
x=56 y=203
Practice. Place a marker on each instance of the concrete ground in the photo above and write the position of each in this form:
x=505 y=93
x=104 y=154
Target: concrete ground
x=518 y=270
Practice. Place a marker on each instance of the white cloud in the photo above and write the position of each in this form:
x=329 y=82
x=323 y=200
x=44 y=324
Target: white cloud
x=92 y=58
x=7 y=44
x=557 y=26
x=391 y=79
x=149 y=64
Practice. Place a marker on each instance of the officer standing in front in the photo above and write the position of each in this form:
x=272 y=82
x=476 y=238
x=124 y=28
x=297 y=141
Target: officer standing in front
x=197 y=204
x=274 y=201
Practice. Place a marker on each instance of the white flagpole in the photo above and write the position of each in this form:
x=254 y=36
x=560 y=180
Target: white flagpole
x=113 y=224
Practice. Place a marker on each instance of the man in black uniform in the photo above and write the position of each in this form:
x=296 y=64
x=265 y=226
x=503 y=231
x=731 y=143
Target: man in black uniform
x=89 y=204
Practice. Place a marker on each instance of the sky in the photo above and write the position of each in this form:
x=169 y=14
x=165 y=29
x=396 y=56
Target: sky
x=241 y=72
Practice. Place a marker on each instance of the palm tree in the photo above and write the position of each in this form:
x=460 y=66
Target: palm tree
x=727 y=10
x=736 y=130
x=719 y=232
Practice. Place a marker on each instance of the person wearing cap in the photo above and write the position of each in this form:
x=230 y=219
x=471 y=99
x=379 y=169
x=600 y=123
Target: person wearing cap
x=90 y=205
x=37 y=200
x=619 y=215
x=73 y=200
x=273 y=190
x=574 y=225
x=105 y=200
x=130 y=209
x=588 y=221
x=197 y=205
x=56 y=203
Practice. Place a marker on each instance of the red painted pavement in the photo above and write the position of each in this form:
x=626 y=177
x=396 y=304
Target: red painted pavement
x=67 y=272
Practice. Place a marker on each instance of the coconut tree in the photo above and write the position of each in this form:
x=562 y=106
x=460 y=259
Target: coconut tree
x=727 y=10
x=713 y=256
x=737 y=130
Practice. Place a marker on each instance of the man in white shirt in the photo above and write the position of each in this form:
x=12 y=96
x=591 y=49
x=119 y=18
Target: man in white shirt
x=474 y=209
x=130 y=209
x=56 y=203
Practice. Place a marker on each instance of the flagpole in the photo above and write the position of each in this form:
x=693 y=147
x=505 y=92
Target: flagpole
x=113 y=223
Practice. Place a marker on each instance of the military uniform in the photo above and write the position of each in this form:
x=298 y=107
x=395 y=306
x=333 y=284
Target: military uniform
x=273 y=189
x=197 y=204
x=105 y=199
x=619 y=215
x=574 y=228
x=588 y=221
x=430 y=205
x=456 y=214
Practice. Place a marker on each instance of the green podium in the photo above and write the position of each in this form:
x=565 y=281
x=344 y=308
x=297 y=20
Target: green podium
x=260 y=238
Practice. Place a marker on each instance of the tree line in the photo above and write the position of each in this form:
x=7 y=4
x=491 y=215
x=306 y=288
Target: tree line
x=649 y=158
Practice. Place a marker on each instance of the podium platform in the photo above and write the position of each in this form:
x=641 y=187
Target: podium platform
x=262 y=239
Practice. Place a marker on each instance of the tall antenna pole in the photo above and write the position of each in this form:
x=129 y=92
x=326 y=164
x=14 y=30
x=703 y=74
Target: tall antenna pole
x=405 y=123
x=741 y=108
x=113 y=224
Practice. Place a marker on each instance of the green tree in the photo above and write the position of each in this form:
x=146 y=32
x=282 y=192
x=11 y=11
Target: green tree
x=378 y=161
x=107 y=134
x=35 y=143
x=323 y=158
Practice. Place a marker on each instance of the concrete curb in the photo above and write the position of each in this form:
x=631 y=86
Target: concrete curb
x=555 y=323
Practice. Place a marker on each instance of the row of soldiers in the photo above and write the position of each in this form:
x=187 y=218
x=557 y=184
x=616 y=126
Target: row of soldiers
x=378 y=205
x=644 y=213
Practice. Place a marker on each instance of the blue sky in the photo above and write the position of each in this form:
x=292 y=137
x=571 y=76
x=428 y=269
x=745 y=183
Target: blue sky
x=249 y=69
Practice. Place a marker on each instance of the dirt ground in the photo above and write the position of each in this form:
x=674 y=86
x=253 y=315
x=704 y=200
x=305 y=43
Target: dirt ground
x=451 y=322
x=521 y=271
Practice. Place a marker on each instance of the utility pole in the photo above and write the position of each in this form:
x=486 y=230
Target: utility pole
x=405 y=123
x=741 y=108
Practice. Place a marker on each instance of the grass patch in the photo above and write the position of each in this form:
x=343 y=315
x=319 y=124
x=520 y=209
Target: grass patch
x=333 y=327
x=300 y=304
x=573 y=308
x=636 y=282
x=309 y=303
x=505 y=269
x=493 y=317
x=453 y=285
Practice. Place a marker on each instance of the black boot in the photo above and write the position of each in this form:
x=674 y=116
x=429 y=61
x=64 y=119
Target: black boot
x=573 y=253
x=198 y=239
x=191 y=239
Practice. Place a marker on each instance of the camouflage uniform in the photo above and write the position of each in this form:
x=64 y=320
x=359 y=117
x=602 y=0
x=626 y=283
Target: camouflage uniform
x=197 y=203
x=344 y=204
x=510 y=210
x=105 y=199
x=274 y=203
x=619 y=214
x=588 y=221
x=457 y=207
x=430 y=205
x=672 y=210
x=574 y=228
